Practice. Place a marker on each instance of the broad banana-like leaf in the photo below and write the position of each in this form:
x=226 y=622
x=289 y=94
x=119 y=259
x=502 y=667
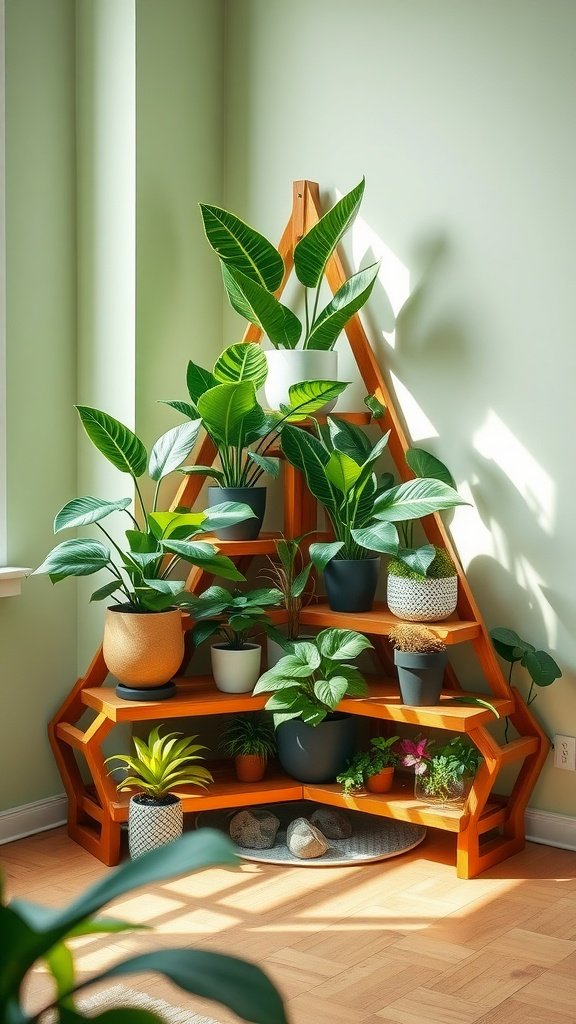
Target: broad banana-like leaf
x=83 y=511
x=244 y=361
x=382 y=537
x=313 y=251
x=414 y=499
x=307 y=396
x=115 y=441
x=422 y=464
x=309 y=455
x=198 y=380
x=224 y=410
x=205 y=557
x=321 y=554
x=76 y=557
x=349 y=439
x=238 y=245
x=172 y=449
x=163 y=524
x=262 y=308
x=348 y=300
x=342 y=471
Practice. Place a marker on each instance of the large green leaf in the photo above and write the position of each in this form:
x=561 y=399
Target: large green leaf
x=300 y=664
x=342 y=471
x=224 y=410
x=265 y=463
x=186 y=408
x=341 y=644
x=115 y=441
x=83 y=511
x=414 y=499
x=422 y=463
x=238 y=245
x=331 y=691
x=542 y=667
x=163 y=524
x=172 y=449
x=349 y=298
x=349 y=439
x=198 y=380
x=227 y=513
x=308 y=396
x=509 y=638
x=260 y=307
x=106 y=591
x=309 y=455
x=322 y=553
x=76 y=557
x=382 y=537
x=244 y=361
x=417 y=559
x=313 y=251
x=206 y=557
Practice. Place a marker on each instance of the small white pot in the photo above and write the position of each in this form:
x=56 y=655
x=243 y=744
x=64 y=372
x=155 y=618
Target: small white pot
x=422 y=600
x=153 y=825
x=236 y=671
x=292 y=366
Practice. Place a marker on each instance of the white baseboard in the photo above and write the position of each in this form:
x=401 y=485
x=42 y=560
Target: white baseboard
x=551 y=829
x=19 y=822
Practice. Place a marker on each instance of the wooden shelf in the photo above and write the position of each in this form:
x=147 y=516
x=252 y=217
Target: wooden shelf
x=195 y=696
x=379 y=620
x=384 y=703
x=263 y=545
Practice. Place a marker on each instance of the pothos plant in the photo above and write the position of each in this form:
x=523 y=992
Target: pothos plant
x=155 y=540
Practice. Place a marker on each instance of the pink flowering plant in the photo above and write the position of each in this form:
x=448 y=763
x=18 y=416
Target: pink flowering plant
x=442 y=768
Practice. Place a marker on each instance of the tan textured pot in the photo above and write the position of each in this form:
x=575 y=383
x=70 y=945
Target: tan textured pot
x=143 y=649
x=381 y=782
x=249 y=767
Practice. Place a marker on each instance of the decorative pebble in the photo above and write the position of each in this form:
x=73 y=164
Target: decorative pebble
x=305 y=840
x=332 y=823
x=254 y=830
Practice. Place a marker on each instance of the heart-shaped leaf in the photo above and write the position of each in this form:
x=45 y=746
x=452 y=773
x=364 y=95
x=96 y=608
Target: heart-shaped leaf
x=542 y=667
x=331 y=691
x=422 y=463
x=116 y=442
x=341 y=644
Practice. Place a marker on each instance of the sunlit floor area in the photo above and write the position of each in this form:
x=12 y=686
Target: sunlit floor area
x=400 y=941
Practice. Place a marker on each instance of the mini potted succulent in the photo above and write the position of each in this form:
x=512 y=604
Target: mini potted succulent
x=372 y=769
x=143 y=639
x=250 y=740
x=315 y=741
x=290 y=573
x=420 y=657
x=233 y=617
x=253 y=270
x=423 y=597
x=160 y=765
x=443 y=774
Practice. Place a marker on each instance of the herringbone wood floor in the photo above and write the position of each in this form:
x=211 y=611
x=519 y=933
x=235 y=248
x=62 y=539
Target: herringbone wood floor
x=403 y=941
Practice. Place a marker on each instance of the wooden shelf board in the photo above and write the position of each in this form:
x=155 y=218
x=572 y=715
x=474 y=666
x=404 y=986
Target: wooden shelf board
x=196 y=695
x=384 y=702
x=379 y=620
x=263 y=545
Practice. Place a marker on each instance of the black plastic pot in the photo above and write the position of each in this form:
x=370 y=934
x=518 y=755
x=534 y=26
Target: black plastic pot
x=320 y=753
x=420 y=677
x=351 y=583
x=255 y=497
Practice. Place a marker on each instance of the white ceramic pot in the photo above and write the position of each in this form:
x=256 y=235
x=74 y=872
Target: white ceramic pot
x=151 y=825
x=422 y=600
x=236 y=671
x=292 y=366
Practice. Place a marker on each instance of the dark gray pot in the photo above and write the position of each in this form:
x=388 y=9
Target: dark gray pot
x=255 y=497
x=420 y=677
x=317 y=754
x=351 y=583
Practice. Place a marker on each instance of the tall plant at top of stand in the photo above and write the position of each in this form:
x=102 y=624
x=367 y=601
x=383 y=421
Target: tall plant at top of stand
x=339 y=463
x=253 y=271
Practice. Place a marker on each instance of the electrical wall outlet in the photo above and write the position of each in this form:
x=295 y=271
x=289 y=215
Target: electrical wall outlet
x=565 y=753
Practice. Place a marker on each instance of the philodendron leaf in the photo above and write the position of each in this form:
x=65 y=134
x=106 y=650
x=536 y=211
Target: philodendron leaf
x=260 y=307
x=302 y=663
x=341 y=644
x=542 y=667
x=313 y=251
x=244 y=361
x=238 y=245
x=76 y=557
x=348 y=300
x=83 y=511
x=172 y=449
x=381 y=537
x=331 y=691
x=422 y=464
x=415 y=499
x=116 y=442
x=307 y=396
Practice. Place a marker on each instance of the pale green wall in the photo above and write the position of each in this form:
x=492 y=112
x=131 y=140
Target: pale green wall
x=38 y=629
x=459 y=114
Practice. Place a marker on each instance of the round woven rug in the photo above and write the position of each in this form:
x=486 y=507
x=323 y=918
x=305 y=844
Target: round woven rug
x=372 y=838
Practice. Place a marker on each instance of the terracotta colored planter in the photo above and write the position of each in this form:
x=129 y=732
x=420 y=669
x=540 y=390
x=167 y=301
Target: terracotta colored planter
x=250 y=767
x=381 y=782
x=143 y=649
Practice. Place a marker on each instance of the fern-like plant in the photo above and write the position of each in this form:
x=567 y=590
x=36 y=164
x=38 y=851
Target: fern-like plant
x=249 y=734
x=162 y=764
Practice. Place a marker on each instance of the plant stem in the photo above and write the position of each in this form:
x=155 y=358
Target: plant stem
x=140 y=498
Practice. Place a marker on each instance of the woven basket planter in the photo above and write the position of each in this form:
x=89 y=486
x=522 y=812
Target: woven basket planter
x=427 y=600
x=151 y=825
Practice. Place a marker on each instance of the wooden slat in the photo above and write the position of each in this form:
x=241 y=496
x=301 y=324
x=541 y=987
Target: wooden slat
x=379 y=621
x=71 y=735
x=195 y=696
x=384 y=703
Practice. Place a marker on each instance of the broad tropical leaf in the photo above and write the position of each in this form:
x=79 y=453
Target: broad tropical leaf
x=342 y=471
x=163 y=524
x=172 y=449
x=331 y=691
x=341 y=644
x=206 y=557
x=349 y=439
x=321 y=553
x=83 y=511
x=106 y=591
x=115 y=441
x=414 y=499
x=301 y=663
x=198 y=380
x=309 y=455
x=227 y=513
x=238 y=245
x=382 y=537
x=260 y=307
x=542 y=667
x=186 y=408
x=224 y=410
x=265 y=463
x=244 y=361
x=349 y=298
x=308 y=396
x=76 y=557
x=422 y=463
x=509 y=638
x=313 y=251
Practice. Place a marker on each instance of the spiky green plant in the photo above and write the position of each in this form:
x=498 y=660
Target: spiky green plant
x=249 y=734
x=162 y=764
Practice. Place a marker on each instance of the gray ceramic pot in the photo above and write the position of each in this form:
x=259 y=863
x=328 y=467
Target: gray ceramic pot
x=420 y=677
x=351 y=583
x=255 y=497
x=320 y=753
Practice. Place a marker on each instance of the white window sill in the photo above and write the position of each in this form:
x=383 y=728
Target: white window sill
x=11 y=580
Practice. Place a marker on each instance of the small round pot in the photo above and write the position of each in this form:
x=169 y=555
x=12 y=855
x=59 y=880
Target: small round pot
x=274 y=652
x=152 y=824
x=236 y=671
x=292 y=366
x=381 y=782
x=143 y=649
x=420 y=677
x=422 y=600
x=351 y=583
x=320 y=753
x=249 y=767
x=255 y=497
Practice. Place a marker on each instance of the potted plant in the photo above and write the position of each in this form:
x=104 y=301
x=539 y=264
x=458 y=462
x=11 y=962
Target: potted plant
x=339 y=466
x=253 y=270
x=235 y=660
x=250 y=740
x=420 y=657
x=224 y=398
x=315 y=741
x=372 y=769
x=143 y=639
x=160 y=765
x=443 y=774
x=423 y=597
x=290 y=574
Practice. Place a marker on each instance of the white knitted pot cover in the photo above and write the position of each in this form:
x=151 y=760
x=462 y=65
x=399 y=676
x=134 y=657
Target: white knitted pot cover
x=422 y=600
x=153 y=825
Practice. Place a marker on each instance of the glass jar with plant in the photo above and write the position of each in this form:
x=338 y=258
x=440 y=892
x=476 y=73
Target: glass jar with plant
x=290 y=573
x=160 y=765
x=443 y=774
x=250 y=740
x=372 y=769
x=143 y=640
x=233 y=617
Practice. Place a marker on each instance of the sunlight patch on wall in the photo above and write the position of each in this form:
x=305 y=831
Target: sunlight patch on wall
x=471 y=535
x=417 y=422
x=368 y=247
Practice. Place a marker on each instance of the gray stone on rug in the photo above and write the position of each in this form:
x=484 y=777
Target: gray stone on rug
x=119 y=995
x=332 y=823
x=304 y=840
x=254 y=829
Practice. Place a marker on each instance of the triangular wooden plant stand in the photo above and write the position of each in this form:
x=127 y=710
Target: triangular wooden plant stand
x=489 y=829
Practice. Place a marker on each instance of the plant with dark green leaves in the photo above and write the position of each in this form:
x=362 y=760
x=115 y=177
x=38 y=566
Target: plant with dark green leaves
x=162 y=764
x=155 y=541
x=225 y=401
x=311 y=682
x=540 y=665
x=249 y=734
x=33 y=934
x=231 y=616
x=253 y=270
x=380 y=755
x=339 y=465
x=290 y=574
